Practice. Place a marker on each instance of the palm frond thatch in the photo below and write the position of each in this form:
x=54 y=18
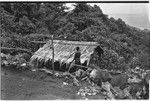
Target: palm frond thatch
x=63 y=50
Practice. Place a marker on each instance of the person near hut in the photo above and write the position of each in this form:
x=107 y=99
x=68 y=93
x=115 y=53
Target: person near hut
x=95 y=57
x=76 y=60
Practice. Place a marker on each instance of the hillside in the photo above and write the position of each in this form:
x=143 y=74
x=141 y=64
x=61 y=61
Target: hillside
x=125 y=46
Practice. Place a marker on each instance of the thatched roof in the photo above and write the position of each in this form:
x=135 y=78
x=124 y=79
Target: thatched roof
x=63 y=49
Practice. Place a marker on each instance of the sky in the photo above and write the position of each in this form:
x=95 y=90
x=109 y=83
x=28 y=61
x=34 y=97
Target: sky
x=134 y=14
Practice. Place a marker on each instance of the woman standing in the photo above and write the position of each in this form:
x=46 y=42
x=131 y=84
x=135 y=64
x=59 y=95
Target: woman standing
x=76 y=60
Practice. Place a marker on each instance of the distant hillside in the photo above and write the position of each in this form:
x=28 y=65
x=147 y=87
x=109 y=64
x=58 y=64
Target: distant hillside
x=136 y=20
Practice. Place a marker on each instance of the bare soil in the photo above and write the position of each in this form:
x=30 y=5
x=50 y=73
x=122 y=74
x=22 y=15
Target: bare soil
x=28 y=85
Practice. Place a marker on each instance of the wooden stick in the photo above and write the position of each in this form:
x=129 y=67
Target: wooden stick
x=52 y=55
x=60 y=63
x=77 y=65
x=81 y=66
x=70 y=67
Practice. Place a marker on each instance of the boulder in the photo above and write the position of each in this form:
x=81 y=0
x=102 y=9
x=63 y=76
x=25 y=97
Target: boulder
x=120 y=81
x=98 y=76
x=147 y=77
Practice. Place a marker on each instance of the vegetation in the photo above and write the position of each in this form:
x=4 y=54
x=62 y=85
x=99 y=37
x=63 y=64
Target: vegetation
x=124 y=46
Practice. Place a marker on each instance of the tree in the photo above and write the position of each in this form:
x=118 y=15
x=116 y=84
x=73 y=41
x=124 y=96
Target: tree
x=53 y=11
x=81 y=7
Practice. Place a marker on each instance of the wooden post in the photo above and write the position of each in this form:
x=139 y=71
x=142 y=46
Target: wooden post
x=52 y=54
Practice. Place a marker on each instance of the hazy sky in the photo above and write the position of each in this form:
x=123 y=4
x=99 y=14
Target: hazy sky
x=134 y=14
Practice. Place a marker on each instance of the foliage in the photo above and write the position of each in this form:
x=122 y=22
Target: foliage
x=83 y=23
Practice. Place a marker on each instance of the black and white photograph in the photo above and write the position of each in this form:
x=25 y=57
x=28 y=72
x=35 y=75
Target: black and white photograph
x=75 y=50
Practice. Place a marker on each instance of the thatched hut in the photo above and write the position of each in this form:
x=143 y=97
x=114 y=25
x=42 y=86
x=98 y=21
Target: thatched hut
x=62 y=50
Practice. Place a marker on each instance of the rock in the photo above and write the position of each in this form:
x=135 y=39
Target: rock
x=88 y=91
x=64 y=83
x=57 y=74
x=98 y=76
x=24 y=64
x=3 y=55
x=118 y=93
x=146 y=85
x=107 y=86
x=93 y=73
x=120 y=81
x=127 y=93
x=135 y=88
x=137 y=68
x=5 y=62
x=110 y=95
x=33 y=70
x=135 y=80
x=79 y=73
x=147 y=77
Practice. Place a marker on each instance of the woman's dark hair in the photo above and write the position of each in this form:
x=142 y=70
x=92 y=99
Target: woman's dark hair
x=77 y=48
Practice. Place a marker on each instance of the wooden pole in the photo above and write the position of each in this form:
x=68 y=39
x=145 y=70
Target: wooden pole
x=52 y=54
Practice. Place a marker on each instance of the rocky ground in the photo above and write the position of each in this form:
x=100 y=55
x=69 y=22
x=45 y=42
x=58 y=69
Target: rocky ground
x=19 y=81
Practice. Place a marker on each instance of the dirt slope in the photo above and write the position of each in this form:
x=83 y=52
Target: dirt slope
x=27 y=85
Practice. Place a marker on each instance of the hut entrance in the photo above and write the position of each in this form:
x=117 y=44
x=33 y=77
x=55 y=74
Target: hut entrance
x=99 y=50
